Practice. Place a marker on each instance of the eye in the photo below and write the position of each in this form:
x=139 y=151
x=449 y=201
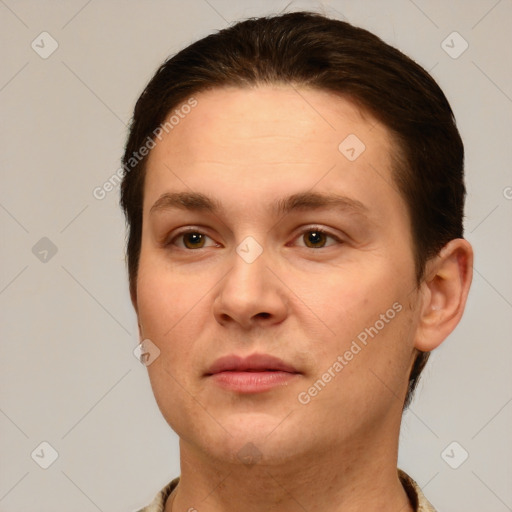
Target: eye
x=316 y=238
x=191 y=239
x=313 y=238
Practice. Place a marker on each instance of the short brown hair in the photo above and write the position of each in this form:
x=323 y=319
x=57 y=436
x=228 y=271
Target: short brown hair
x=309 y=49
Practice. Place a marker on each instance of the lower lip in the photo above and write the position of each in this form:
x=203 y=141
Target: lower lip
x=252 y=382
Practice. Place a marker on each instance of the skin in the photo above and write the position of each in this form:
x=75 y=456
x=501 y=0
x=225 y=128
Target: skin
x=298 y=301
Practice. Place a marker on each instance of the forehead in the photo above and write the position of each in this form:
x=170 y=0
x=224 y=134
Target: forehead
x=274 y=117
x=272 y=140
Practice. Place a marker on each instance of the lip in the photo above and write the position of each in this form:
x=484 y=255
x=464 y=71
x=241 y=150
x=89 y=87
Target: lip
x=253 y=374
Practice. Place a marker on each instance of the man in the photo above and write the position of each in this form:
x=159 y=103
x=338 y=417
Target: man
x=294 y=192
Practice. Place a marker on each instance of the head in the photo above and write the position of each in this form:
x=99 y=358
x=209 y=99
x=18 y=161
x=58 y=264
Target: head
x=259 y=112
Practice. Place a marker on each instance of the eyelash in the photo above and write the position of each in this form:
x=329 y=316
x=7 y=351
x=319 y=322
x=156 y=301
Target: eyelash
x=316 y=229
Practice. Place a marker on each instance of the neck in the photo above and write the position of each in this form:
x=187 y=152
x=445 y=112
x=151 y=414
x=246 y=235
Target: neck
x=357 y=478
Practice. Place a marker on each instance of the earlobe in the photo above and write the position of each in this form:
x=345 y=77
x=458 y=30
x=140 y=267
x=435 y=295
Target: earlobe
x=446 y=287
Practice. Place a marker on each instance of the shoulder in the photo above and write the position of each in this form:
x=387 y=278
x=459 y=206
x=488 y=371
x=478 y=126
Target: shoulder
x=415 y=493
x=158 y=503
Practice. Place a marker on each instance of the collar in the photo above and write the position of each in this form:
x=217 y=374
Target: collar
x=413 y=490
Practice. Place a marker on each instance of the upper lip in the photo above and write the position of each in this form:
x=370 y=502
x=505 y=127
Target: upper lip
x=252 y=363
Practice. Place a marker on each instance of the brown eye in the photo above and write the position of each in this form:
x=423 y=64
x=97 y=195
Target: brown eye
x=190 y=239
x=315 y=238
x=193 y=240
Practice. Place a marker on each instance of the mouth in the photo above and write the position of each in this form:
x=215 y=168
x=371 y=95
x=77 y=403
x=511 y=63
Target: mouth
x=254 y=374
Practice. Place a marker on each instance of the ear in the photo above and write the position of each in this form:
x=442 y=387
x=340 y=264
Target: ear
x=445 y=290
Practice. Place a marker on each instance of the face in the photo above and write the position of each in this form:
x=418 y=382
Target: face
x=276 y=276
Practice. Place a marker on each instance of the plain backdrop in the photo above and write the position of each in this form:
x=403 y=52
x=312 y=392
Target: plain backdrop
x=68 y=375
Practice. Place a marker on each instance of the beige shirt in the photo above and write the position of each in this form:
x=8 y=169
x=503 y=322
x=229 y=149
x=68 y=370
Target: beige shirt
x=418 y=501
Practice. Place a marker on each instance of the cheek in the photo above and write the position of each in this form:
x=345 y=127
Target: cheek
x=370 y=326
x=364 y=368
x=350 y=301
x=163 y=297
x=165 y=312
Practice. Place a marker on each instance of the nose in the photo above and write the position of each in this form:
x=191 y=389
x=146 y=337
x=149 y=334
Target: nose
x=251 y=295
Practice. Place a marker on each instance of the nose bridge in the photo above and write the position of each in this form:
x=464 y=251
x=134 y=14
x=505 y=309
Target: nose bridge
x=248 y=274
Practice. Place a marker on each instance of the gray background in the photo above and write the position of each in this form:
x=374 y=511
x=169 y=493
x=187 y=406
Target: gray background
x=67 y=372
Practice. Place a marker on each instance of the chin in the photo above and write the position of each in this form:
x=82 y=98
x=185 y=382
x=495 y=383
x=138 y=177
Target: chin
x=252 y=438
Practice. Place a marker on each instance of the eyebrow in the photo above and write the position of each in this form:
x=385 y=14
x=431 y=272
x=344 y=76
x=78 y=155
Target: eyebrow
x=301 y=201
